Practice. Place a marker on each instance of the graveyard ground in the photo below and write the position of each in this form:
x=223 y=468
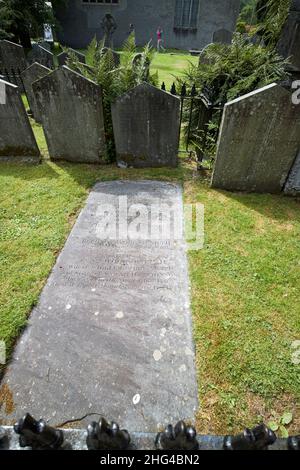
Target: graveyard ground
x=171 y=65
x=245 y=282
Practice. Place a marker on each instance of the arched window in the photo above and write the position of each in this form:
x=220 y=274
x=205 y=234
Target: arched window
x=186 y=14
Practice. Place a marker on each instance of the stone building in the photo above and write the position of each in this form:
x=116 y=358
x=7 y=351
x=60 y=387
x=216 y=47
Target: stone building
x=187 y=24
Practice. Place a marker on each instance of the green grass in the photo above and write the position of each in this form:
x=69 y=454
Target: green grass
x=171 y=65
x=245 y=282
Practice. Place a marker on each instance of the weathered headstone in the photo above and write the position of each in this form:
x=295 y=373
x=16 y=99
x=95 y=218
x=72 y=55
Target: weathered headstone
x=33 y=73
x=222 y=36
x=292 y=186
x=72 y=116
x=45 y=45
x=289 y=43
x=64 y=56
x=41 y=55
x=137 y=59
x=259 y=140
x=146 y=127
x=12 y=62
x=203 y=59
x=17 y=141
x=112 y=331
x=12 y=56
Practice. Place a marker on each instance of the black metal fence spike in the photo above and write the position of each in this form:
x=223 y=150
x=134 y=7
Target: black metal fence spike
x=173 y=89
x=37 y=434
x=106 y=436
x=258 y=438
x=183 y=90
x=193 y=90
x=179 y=437
x=163 y=87
x=294 y=443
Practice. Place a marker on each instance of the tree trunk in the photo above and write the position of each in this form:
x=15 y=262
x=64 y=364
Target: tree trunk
x=24 y=37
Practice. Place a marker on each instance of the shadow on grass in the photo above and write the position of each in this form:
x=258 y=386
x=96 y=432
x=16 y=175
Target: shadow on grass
x=27 y=171
x=86 y=175
x=274 y=206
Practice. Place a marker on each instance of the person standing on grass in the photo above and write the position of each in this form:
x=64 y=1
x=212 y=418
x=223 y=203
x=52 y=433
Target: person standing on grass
x=160 y=40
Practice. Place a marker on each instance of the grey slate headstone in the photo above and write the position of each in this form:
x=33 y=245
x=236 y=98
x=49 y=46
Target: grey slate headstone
x=33 y=73
x=45 y=45
x=12 y=62
x=41 y=55
x=292 y=186
x=63 y=57
x=222 y=36
x=12 y=56
x=146 y=127
x=71 y=110
x=17 y=141
x=203 y=59
x=259 y=140
x=112 y=330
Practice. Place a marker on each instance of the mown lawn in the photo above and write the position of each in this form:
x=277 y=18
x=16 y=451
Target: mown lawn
x=171 y=65
x=245 y=282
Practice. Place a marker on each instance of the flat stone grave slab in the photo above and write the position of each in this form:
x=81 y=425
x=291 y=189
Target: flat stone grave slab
x=112 y=331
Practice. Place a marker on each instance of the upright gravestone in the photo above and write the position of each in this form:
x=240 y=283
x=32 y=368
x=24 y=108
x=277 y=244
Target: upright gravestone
x=289 y=43
x=64 y=56
x=259 y=140
x=292 y=186
x=17 y=141
x=222 y=36
x=112 y=331
x=45 y=45
x=72 y=116
x=33 y=73
x=41 y=55
x=146 y=127
x=12 y=62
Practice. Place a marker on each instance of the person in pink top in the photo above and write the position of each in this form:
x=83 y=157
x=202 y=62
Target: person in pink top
x=160 y=39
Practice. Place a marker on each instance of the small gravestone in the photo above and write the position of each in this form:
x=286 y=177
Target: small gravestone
x=12 y=62
x=17 y=141
x=64 y=56
x=45 y=45
x=292 y=186
x=71 y=110
x=32 y=74
x=41 y=55
x=112 y=332
x=222 y=36
x=289 y=42
x=146 y=127
x=203 y=58
x=259 y=140
x=12 y=56
x=137 y=59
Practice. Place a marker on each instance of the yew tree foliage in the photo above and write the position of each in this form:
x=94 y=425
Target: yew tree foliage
x=232 y=71
x=21 y=20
